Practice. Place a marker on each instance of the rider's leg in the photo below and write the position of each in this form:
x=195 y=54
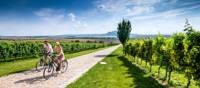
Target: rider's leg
x=59 y=63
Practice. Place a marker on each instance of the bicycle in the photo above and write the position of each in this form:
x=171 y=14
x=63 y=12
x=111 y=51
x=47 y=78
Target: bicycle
x=49 y=69
x=41 y=63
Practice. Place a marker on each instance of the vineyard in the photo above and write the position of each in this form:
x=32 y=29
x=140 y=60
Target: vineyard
x=25 y=49
x=174 y=60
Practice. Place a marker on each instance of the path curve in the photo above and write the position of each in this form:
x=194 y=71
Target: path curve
x=77 y=67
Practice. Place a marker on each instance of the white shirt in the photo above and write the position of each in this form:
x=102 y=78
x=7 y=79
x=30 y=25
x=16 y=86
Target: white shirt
x=48 y=48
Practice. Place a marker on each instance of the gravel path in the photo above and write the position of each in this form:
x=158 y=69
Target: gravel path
x=77 y=67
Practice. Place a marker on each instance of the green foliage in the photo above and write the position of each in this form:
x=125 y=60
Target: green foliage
x=188 y=28
x=192 y=54
x=119 y=72
x=180 y=53
x=124 y=30
x=21 y=49
x=149 y=51
x=157 y=48
x=178 y=47
x=29 y=63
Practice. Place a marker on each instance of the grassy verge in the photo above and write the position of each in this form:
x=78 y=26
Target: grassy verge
x=26 y=64
x=119 y=72
x=178 y=79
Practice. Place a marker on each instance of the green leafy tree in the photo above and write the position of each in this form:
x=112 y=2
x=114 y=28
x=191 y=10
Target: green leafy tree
x=188 y=28
x=166 y=55
x=192 y=54
x=177 y=53
x=123 y=33
x=191 y=61
x=158 y=42
x=150 y=52
x=142 y=50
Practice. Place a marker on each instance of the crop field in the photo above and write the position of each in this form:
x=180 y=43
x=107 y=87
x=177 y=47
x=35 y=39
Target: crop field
x=173 y=60
x=99 y=43
x=19 y=49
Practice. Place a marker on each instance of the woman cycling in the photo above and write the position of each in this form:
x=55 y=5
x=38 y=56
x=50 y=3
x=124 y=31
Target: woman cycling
x=59 y=55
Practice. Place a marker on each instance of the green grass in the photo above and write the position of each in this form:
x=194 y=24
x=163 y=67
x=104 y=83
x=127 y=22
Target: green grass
x=178 y=79
x=119 y=72
x=26 y=64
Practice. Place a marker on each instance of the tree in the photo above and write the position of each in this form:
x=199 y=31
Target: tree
x=169 y=57
x=178 y=52
x=188 y=28
x=124 y=29
x=149 y=52
x=191 y=61
x=158 y=42
x=141 y=50
x=192 y=54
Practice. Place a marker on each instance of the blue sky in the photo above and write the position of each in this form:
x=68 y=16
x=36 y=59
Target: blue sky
x=55 y=17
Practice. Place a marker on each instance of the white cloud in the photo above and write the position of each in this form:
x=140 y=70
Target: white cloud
x=48 y=12
x=104 y=18
x=50 y=22
x=167 y=14
x=127 y=7
x=190 y=3
x=145 y=2
x=72 y=16
x=77 y=23
x=160 y=15
x=143 y=9
x=57 y=18
x=137 y=10
x=52 y=16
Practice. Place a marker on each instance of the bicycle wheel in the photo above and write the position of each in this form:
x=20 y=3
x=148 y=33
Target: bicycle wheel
x=48 y=71
x=64 y=66
x=38 y=65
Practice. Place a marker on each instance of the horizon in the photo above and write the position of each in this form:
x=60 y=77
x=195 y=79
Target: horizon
x=75 y=34
x=52 y=17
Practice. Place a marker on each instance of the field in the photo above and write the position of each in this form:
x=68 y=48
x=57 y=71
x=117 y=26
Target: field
x=87 y=40
x=11 y=50
x=100 y=43
x=167 y=61
x=17 y=56
x=119 y=72
x=174 y=61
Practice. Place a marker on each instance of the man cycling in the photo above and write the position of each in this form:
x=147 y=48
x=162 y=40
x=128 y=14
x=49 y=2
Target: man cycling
x=48 y=50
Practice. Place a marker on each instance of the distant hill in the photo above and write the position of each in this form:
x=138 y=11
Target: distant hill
x=112 y=34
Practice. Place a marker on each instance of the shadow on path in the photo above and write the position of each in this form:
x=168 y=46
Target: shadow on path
x=32 y=80
x=138 y=75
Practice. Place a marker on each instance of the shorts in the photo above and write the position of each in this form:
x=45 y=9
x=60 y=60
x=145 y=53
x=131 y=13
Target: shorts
x=61 y=57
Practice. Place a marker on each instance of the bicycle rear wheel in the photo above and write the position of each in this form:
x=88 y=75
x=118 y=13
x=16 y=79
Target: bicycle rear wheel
x=48 y=71
x=38 y=65
x=64 y=66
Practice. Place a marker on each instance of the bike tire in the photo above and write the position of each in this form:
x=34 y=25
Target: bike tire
x=48 y=71
x=64 y=66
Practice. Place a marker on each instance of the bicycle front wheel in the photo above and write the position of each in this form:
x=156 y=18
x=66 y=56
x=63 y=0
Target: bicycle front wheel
x=48 y=71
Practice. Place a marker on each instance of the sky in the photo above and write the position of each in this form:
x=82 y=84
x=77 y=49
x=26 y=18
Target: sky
x=58 y=17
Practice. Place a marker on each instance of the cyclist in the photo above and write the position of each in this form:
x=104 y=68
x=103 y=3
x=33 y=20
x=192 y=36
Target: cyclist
x=47 y=49
x=59 y=55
